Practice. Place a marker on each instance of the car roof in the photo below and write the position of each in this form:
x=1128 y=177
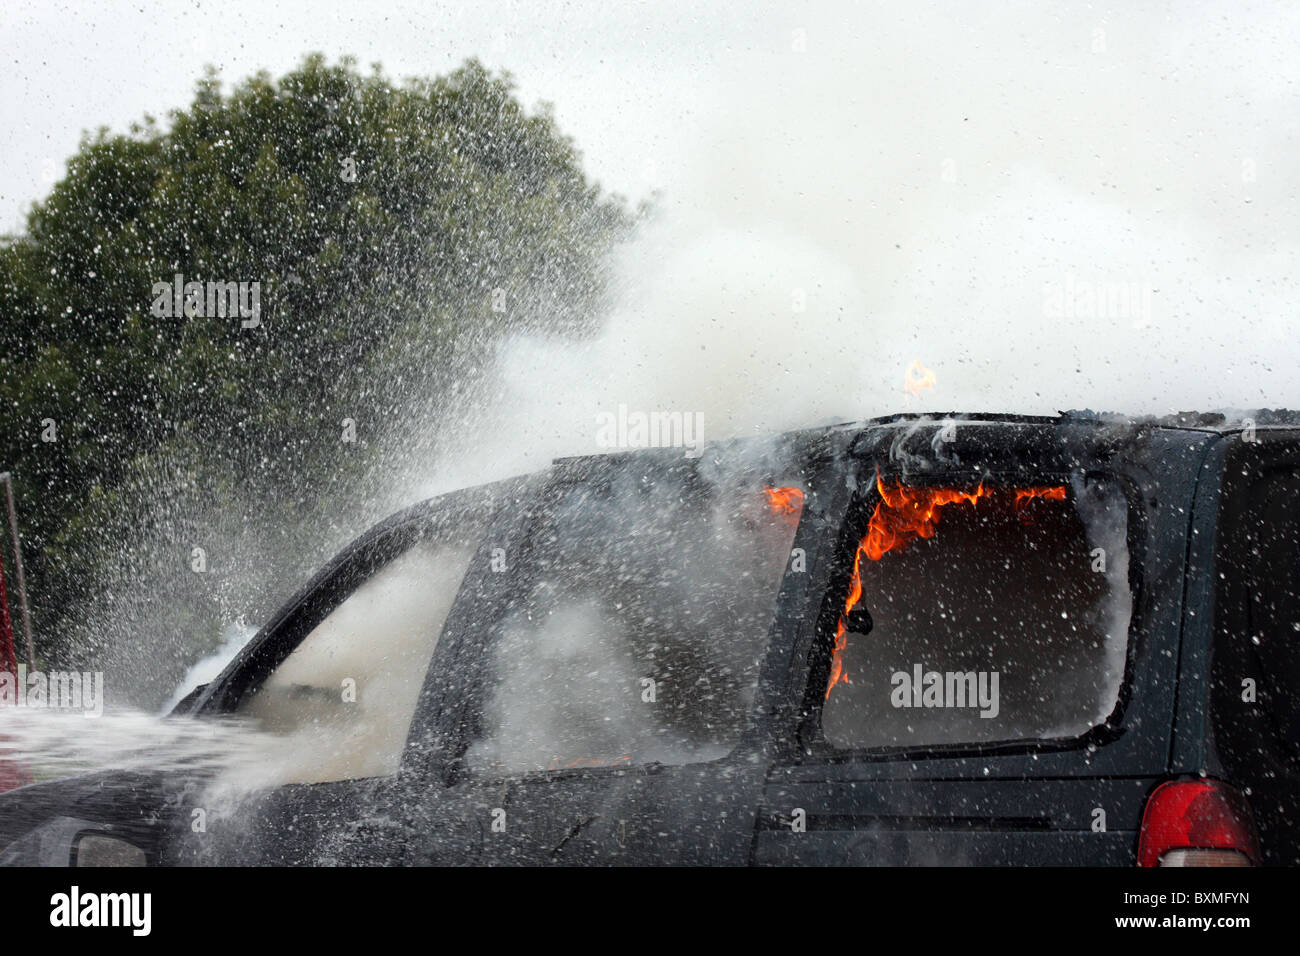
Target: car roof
x=1227 y=420
x=1211 y=422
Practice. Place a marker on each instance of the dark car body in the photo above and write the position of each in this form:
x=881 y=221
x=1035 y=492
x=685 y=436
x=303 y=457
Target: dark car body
x=1210 y=582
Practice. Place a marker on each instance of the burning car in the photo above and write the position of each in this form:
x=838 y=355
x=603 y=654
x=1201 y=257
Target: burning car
x=969 y=639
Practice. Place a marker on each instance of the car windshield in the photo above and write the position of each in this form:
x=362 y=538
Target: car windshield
x=980 y=613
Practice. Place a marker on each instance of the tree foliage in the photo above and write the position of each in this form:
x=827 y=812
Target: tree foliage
x=468 y=218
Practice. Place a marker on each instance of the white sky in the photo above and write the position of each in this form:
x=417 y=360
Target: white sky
x=932 y=178
x=622 y=76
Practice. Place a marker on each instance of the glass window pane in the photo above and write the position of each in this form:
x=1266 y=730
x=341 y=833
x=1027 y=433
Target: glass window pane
x=982 y=614
x=641 y=632
x=342 y=701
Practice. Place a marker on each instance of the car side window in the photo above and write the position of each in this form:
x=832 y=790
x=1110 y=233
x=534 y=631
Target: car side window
x=339 y=707
x=639 y=630
x=981 y=612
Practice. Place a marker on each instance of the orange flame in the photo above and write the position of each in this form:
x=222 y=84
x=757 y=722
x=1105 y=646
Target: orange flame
x=784 y=501
x=917 y=378
x=902 y=515
x=907 y=513
x=1025 y=495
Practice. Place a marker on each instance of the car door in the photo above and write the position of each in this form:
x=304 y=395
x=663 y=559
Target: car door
x=620 y=710
x=988 y=679
x=331 y=688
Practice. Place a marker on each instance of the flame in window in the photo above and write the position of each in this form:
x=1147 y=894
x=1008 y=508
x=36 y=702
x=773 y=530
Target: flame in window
x=1026 y=495
x=902 y=515
x=784 y=501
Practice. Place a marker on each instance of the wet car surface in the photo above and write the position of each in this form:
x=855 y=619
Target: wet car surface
x=971 y=640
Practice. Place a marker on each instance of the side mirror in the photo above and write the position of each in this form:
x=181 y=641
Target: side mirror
x=98 y=849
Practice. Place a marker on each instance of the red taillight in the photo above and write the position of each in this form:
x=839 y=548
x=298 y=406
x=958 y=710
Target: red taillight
x=1197 y=823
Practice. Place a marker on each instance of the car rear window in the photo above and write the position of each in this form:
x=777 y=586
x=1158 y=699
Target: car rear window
x=979 y=612
x=639 y=634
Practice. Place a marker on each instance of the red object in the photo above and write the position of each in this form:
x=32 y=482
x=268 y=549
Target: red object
x=13 y=772
x=1196 y=815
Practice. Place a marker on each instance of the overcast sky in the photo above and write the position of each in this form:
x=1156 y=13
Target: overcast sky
x=620 y=74
x=852 y=187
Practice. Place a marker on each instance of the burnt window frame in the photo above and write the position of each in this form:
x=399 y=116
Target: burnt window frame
x=802 y=467
x=812 y=743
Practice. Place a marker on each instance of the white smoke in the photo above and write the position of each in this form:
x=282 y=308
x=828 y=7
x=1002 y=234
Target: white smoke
x=1048 y=205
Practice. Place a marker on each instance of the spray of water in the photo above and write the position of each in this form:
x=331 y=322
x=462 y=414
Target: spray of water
x=1048 y=207
x=52 y=744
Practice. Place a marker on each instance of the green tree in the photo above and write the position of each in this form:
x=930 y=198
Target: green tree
x=396 y=233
